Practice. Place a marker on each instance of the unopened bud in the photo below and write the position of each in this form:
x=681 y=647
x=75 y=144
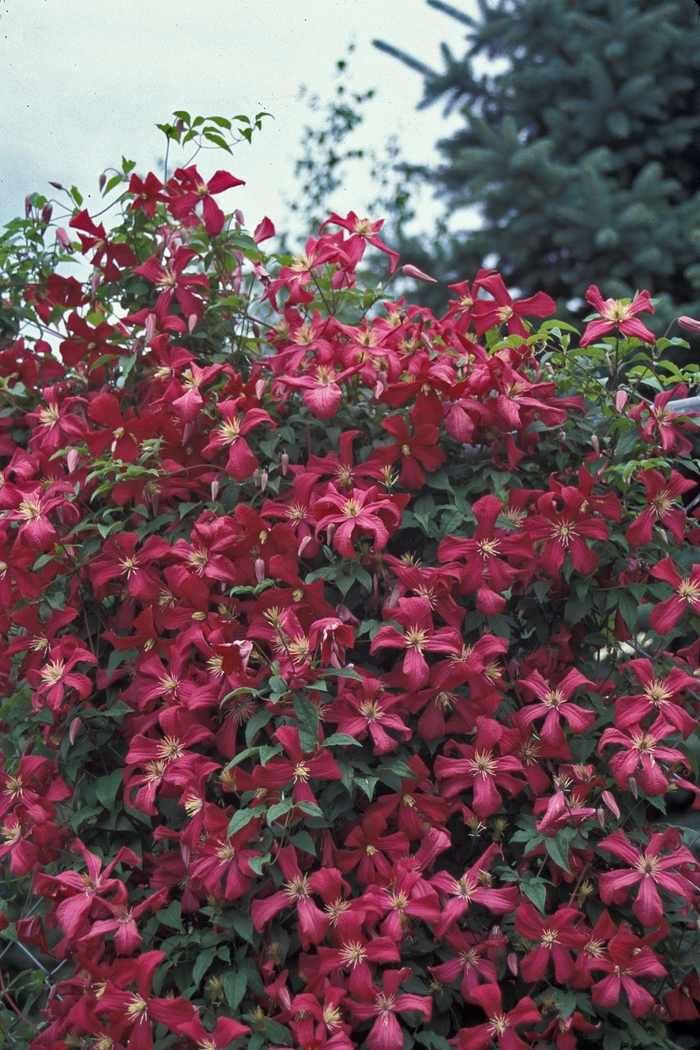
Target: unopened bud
x=56 y=185
x=412 y=271
x=187 y=433
x=621 y=398
x=512 y=963
x=72 y=460
x=238 y=216
x=259 y=570
x=263 y=480
x=191 y=323
x=632 y=785
x=600 y=814
x=94 y=283
x=101 y=181
x=595 y=442
x=689 y=324
x=63 y=239
x=284 y=464
x=214 y=489
x=260 y=387
x=27 y=206
x=185 y=853
x=46 y=213
x=151 y=322
x=256 y=477
x=609 y=800
x=256 y=330
x=74 y=730
x=330 y=532
x=179 y=126
x=303 y=544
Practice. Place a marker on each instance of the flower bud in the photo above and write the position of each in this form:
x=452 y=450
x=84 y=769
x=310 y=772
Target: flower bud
x=621 y=398
x=46 y=213
x=256 y=477
x=330 y=532
x=238 y=216
x=72 y=460
x=94 y=283
x=214 y=489
x=56 y=185
x=74 y=730
x=191 y=323
x=304 y=543
x=284 y=464
x=27 y=206
x=102 y=180
x=600 y=814
x=260 y=387
x=151 y=322
x=689 y=324
x=632 y=785
x=512 y=963
x=63 y=239
x=259 y=570
x=412 y=271
x=263 y=480
x=609 y=800
x=187 y=433
x=595 y=442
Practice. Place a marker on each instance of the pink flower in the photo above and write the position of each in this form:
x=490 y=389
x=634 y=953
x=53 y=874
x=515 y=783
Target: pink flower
x=614 y=313
x=386 y=1033
x=647 y=868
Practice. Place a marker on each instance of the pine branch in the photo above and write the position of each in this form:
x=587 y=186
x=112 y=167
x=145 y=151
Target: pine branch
x=453 y=12
x=407 y=60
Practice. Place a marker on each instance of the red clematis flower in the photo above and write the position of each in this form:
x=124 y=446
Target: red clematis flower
x=660 y=496
x=614 y=313
x=641 y=754
x=664 y=616
x=363 y=230
x=231 y=432
x=554 y=705
x=147 y=193
x=472 y=886
x=109 y=255
x=172 y=282
x=557 y=934
x=502 y=309
x=500 y=1025
x=363 y=513
x=661 y=696
x=481 y=768
x=187 y=189
x=420 y=635
x=649 y=869
x=412 y=452
x=386 y=1032
x=627 y=957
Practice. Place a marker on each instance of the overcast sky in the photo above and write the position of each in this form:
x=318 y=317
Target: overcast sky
x=85 y=81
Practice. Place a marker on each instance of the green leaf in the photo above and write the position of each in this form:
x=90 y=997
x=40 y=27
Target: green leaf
x=235 y=984
x=279 y=809
x=307 y=713
x=342 y=672
x=204 y=960
x=259 y=719
x=242 y=818
x=106 y=788
x=536 y=890
x=303 y=840
x=171 y=916
x=558 y=854
x=341 y=738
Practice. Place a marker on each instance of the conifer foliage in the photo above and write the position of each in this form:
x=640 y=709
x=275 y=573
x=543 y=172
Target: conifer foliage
x=580 y=147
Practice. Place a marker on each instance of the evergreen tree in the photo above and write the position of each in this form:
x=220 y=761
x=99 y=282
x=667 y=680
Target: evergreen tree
x=580 y=148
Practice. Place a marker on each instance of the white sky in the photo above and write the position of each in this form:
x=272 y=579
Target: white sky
x=85 y=81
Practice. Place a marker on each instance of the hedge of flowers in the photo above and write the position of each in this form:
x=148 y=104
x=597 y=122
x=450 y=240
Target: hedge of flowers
x=349 y=654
